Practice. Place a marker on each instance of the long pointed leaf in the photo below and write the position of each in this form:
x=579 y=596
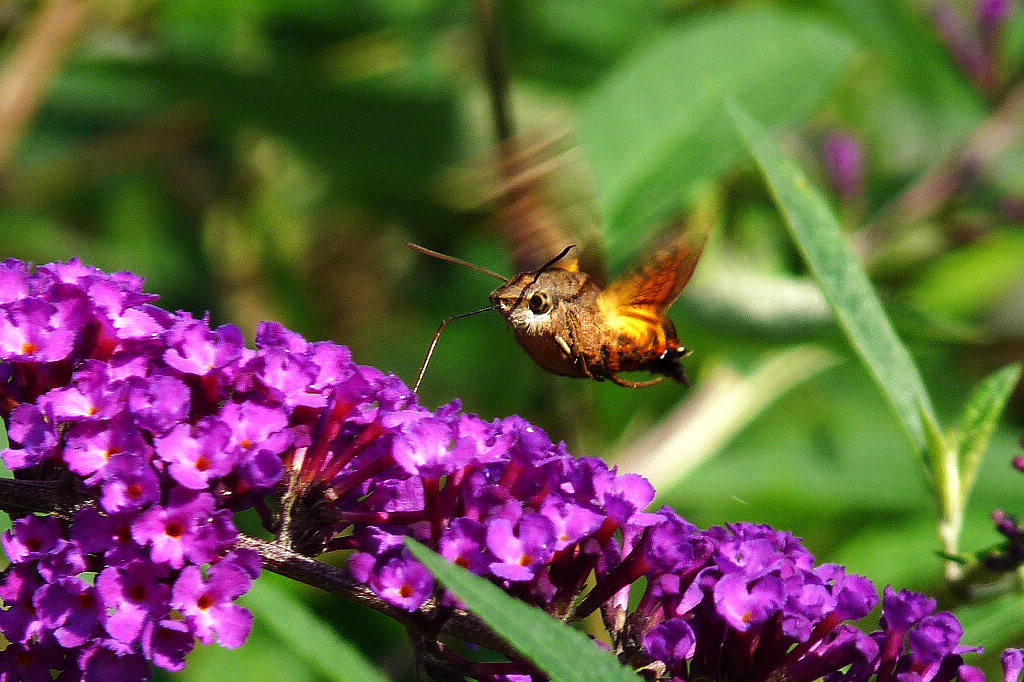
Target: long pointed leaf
x=566 y=654
x=843 y=281
x=981 y=413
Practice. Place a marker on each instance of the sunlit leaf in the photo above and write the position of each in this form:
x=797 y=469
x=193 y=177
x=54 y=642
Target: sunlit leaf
x=843 y=281
x=983 y=410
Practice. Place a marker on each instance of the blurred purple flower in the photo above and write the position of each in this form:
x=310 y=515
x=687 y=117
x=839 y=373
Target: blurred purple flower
x=992 y=14
x=973 y=53
x=844 y=162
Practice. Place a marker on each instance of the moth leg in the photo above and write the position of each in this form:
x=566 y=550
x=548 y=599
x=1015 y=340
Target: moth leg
x=565 y=346
x=633 y=384
x=577 y=358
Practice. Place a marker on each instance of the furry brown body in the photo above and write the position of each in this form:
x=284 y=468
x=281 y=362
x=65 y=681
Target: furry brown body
x=563 y=320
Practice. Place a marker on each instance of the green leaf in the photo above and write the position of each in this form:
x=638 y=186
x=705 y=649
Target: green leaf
x=652 y=132
x=842 y=280
x=313 y=640
x=963 y=283
x=566 y=654
x=981 y=413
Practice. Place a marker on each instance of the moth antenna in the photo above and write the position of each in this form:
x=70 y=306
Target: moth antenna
x=433 y=343
x=554 y=260
x=458 y=261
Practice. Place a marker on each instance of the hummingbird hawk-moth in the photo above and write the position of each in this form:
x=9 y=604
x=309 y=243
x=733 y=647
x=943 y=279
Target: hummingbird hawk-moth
x=562 y=312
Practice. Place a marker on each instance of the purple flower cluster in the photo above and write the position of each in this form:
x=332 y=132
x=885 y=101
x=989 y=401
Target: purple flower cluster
x=169 y=427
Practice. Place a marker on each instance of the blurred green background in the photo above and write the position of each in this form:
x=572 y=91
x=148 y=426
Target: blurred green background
x=267 y=160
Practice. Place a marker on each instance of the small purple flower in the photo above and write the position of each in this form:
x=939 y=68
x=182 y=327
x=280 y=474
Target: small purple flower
x=901 y=610
x=623 y=497
x=129 y=484
x=69 y=608
x=423 y=445
x=33 y=661
x=252 y=425
x=35 y=432
x=288 y=377
x=571 y=522
x=90 y=396
x=1013 y=664
x=33 y=330
x=403 y=582
x=671 y=642
x=135 y=595
x=195 y=456
x=31 y=537
x=109 y=535
x=158 y=403
x=934 y=639
x=464 y=544
x=90 y=445
x=743 y=604
x=64 y=560
x=195 y=349
x=208 y=604
x=187 y=528
x=520 y=551
x=844 y=162
x=166 y=643
x=257 y=435
x=14 y=281
x=20 y=621
x=112 y=661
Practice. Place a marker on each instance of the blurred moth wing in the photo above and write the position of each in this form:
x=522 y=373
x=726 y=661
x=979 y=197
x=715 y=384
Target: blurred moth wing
x=633 y=308
x=545 y=202
x=642 y=295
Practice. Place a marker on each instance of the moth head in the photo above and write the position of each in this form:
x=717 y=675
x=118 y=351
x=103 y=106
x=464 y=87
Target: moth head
x=529 y=299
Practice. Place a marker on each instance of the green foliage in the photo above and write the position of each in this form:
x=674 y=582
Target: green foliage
x=950 y=462
x=653 y=134
x=981 y=414
x=278 y=611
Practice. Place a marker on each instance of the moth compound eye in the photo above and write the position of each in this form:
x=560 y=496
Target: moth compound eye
x=540 y=303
